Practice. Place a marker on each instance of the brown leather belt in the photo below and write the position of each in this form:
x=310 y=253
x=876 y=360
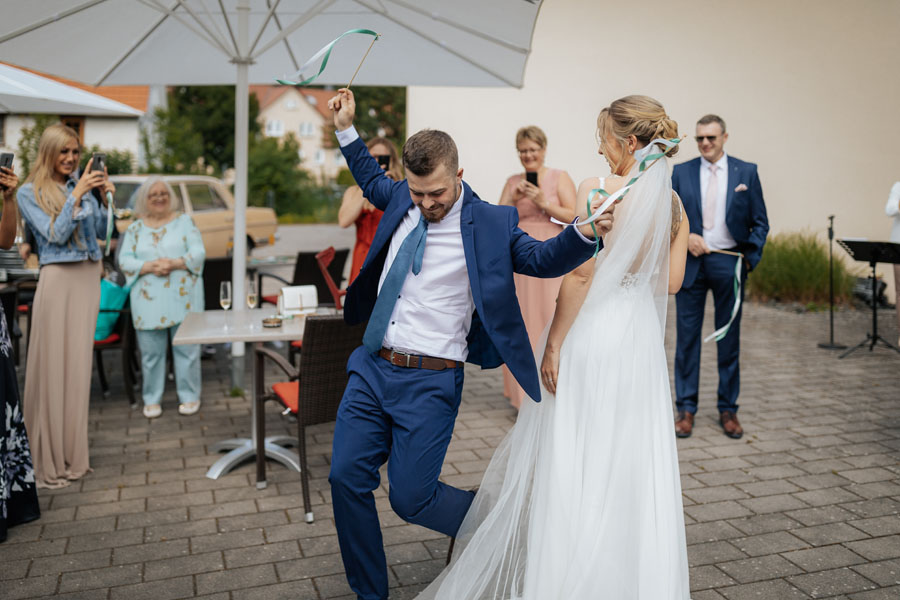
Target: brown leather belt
x=412 y=361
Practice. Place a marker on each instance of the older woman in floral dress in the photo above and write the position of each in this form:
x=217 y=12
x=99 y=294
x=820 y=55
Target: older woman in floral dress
x=162 y=257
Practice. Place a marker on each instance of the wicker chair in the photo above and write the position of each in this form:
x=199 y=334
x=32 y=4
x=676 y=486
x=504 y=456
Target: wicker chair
x=313 y=391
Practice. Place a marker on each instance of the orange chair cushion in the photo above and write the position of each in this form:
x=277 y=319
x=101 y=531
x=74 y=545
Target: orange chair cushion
x=22 y=308
x=271 y=299
x=288 y=393
x=297 y=343
x=112 y=339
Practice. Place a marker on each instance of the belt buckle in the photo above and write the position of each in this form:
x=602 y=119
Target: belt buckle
x=399 y=354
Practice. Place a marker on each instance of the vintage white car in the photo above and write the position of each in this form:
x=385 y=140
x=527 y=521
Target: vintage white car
x=211 y=206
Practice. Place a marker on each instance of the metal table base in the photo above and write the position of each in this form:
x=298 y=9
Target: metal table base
x=241 y=450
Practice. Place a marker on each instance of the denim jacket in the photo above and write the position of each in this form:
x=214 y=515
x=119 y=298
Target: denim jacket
x=62 y=247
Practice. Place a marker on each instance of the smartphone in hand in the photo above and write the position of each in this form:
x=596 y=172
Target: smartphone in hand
x=98 y=163
x=531 y=177
x=6 y=160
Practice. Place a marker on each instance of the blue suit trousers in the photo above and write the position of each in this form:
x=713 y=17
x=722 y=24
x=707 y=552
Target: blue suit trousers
x=716 y=273
x=404 y=417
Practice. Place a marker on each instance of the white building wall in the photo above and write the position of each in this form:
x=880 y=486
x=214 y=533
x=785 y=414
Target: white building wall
x=809 y=90
x=110 y=133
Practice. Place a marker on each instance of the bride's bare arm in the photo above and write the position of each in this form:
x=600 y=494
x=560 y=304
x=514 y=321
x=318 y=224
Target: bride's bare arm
x=678 y=253
x=571 y=296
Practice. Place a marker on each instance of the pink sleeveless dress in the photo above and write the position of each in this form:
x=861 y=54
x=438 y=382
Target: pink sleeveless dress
x=537 y=297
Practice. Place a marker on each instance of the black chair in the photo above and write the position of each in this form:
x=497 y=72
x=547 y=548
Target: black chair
x=306 y=272
x=215 y=271
x=124 y=339
x=313 y=390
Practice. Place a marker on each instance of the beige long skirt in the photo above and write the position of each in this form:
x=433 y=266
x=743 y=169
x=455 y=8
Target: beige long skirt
x=58 y=376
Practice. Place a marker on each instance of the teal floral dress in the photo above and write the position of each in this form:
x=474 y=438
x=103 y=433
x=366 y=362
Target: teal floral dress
x=162 y=302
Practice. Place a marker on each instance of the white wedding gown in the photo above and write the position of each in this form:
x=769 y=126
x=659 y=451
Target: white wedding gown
x=582 y=499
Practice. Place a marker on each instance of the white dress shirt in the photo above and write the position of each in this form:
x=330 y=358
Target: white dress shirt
x=717 y=238
x=433 y=314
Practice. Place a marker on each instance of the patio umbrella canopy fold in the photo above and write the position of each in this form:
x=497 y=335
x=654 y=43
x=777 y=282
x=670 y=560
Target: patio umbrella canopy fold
x=25 y=93
x=209 y=42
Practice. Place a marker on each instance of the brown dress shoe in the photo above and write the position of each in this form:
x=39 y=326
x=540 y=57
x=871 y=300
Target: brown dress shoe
x=730 y=425
x=684 y=424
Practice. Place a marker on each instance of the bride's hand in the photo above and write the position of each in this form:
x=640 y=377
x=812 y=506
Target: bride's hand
x=550 y=368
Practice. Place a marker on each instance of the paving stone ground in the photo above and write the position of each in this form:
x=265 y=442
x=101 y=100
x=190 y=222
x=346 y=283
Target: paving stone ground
x=804 y=506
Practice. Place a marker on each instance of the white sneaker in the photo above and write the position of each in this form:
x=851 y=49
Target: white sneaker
x=189 y=408
x=151 y=411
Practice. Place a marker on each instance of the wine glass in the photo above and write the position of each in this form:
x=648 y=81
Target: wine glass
x=252 y=296
x=225 y=295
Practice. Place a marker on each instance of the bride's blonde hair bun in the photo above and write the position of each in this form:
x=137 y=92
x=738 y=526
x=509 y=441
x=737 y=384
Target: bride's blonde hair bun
x=640 y=116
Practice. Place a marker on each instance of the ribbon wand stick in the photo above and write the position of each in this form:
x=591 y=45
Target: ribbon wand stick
x=374 y=39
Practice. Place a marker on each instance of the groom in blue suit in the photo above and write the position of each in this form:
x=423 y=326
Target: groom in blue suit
x=724 y=203
x=437 y=290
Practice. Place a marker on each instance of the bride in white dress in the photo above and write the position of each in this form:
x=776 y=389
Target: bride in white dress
x=582 y=499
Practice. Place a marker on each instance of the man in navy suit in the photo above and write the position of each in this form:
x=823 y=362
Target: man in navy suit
x=437 y=290
x=724 y=203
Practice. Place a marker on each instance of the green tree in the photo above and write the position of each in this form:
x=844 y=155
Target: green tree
x=30 y=140
x=196 y=130
x=381 y=108
x=117 y=161
x=274 y=172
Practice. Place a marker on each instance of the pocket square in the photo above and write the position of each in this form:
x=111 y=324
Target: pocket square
x=740 y=188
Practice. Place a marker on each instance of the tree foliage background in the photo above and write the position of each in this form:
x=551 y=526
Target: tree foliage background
x=195 y=135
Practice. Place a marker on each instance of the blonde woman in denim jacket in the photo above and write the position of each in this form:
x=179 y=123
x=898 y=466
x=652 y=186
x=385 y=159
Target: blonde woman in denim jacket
x=66 y=221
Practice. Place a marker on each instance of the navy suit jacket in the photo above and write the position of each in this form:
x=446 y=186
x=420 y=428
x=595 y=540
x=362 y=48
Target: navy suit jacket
x=745 y=211
x=494 y=247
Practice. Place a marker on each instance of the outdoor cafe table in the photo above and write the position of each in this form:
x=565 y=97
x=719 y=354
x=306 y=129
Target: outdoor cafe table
x=223 y=326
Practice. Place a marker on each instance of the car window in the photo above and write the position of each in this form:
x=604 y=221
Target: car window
x=204 y=197
x=125 y=194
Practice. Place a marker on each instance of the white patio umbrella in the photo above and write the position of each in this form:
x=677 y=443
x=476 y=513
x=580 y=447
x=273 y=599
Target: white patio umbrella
x=26 y=93
x=174 y=42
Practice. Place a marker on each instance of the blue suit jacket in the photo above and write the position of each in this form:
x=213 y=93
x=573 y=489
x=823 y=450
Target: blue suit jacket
x=745 y=211
x=494 y=247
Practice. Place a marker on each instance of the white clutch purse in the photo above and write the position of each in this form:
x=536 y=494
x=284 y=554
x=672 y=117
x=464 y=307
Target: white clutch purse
x=298 y=300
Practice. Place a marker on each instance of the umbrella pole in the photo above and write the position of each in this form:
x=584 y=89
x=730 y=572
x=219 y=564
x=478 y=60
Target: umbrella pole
x=241 y=135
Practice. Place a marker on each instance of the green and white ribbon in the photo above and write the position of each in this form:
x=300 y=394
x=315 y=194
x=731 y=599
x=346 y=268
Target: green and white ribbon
x=323 y=54
x=721 y=332
x=647 y=157
x=110 y=221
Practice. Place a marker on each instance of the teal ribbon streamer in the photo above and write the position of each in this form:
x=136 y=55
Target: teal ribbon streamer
x=324 y=53
x=110 y=221
x=721 y=332
x=647 y=161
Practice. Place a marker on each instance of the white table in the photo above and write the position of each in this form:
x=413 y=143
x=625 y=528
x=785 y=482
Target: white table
x=223 y=326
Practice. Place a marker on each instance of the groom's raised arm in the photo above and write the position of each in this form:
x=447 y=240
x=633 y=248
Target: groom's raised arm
x=377 y=187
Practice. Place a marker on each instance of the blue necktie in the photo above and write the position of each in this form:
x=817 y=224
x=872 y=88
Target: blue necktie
x=410 y=254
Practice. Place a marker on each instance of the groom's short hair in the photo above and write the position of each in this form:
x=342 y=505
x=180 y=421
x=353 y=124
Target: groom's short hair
x=427 y=149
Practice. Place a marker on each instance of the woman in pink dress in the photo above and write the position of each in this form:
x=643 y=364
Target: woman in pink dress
x=553 y=196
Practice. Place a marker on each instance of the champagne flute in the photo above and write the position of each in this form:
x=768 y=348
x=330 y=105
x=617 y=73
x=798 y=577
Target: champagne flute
x=252 y=296
x=225 y=295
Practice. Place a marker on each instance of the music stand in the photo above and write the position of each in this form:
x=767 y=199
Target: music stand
x=873 y=253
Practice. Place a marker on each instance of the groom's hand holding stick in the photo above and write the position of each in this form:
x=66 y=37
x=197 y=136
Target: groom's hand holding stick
x=343 y=107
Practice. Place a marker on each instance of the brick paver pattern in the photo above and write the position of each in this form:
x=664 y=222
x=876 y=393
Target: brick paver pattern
x=804 y=506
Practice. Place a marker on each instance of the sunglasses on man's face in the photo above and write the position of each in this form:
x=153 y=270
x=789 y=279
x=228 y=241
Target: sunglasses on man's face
x=709 y=138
